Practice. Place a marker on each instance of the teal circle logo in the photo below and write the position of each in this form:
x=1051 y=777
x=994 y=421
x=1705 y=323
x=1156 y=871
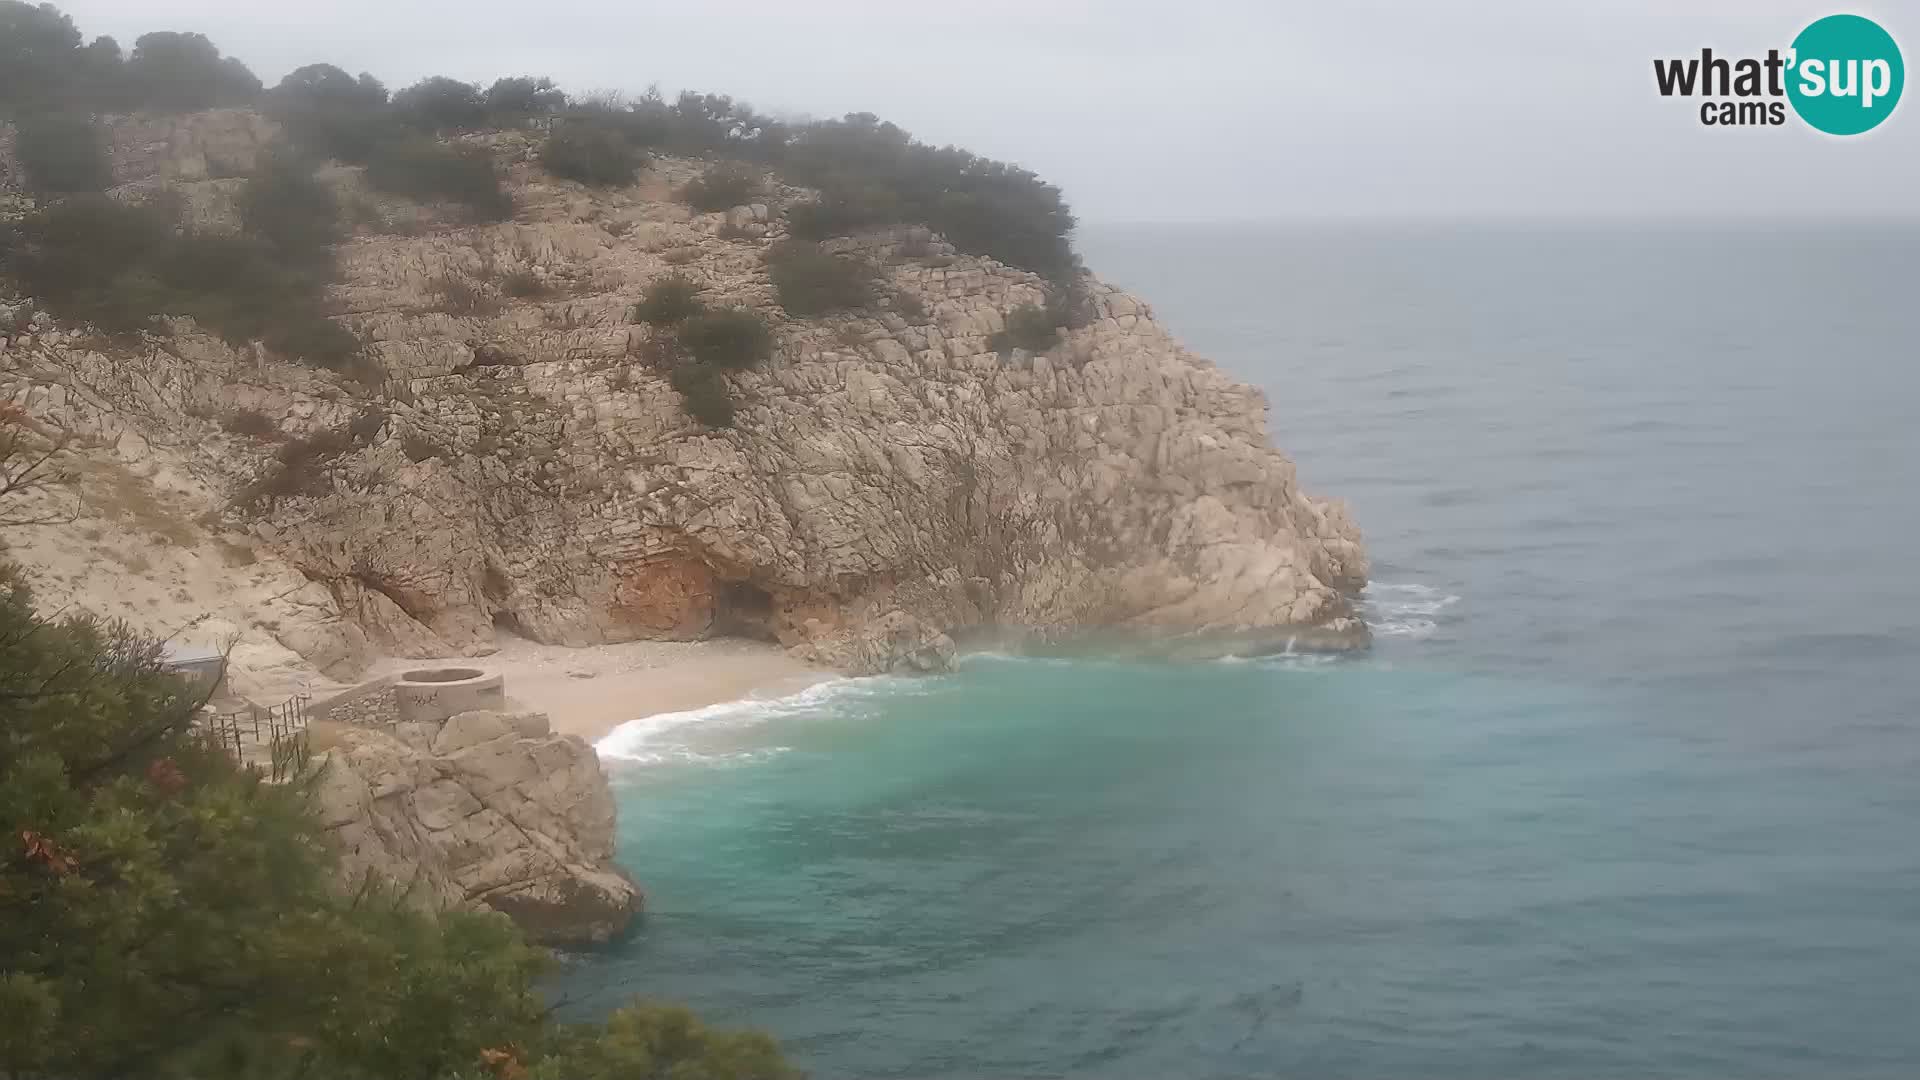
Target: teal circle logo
x=1846 y=75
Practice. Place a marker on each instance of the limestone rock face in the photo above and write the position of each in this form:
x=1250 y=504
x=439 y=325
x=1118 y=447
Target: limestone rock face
x=483 y=810
x=891 y=482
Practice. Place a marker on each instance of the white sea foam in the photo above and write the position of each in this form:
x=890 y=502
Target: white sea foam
x=1404 y=609
x=651 y=739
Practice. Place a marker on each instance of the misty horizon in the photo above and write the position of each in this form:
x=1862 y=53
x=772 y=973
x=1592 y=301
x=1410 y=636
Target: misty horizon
x=1230 y=112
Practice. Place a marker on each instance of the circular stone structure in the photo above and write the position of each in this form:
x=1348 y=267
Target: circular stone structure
x=431 y=695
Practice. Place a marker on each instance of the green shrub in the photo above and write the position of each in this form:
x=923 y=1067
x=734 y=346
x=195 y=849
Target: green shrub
x=733 y=339
x=317 y=340
x=419 y=448
x=333 y=115
x=38 y=47
x=910 y=305
x=425 y=171
x=704 y=394
x=366 y=424
x=440 y=104
x=1028 y=327
x=669 y=300
x=230 y=948
x=63 y=154
x=845 y=209
x=811 y=281
x=873 y=173
x=648 y=1040
x=524 y=285
x=598 y=155
x=88 y=259
x=521 y=97
x=174 y=72
x=250 y=422
x=288 y=207
x=722 y=187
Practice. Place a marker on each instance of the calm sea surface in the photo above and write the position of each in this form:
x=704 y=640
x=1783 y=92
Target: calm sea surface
x=1629 y=786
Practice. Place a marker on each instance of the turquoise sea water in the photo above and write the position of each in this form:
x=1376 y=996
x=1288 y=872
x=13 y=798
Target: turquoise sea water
x=1629 y=786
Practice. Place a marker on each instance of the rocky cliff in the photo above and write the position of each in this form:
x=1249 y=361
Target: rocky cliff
x=479 y=811
x=891 y=483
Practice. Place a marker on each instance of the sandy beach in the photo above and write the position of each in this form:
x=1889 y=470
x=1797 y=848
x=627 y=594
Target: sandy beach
x=592 y=690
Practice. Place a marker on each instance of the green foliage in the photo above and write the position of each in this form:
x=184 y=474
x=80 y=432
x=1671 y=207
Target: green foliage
x=704 y=394
x=811 y=281
x=315 y=339
x=250 y=422
x=419 y=448
x=90 y=259
x=592 y=153
x=176 y=72
x=669 y=300
x=524 y=285
x=1028 y=327
x=37 y=47
x=115 y=266
x=873 y=173
x=647 y=1040
x=440 y=104
x=63 y=153
x=522 y=97
x=910 y=305
x=165 y=913
x=425 y=171
x=332 y=114
x=285 y=205
x=722 y=187
x=733 y=340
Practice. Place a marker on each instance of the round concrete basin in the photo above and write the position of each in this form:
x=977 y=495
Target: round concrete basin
x=430 y=695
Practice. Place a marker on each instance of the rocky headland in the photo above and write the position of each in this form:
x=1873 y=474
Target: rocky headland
x=892 y=482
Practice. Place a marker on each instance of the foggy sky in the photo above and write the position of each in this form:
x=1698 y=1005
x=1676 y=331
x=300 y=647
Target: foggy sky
x=1190 y=110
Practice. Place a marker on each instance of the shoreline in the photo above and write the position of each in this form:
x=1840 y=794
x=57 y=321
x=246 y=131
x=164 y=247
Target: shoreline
x=591 y=690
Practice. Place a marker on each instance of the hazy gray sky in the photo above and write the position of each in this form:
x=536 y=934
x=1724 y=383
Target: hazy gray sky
x=1179 y=109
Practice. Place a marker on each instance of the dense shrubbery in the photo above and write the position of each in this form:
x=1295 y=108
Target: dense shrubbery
x=669 y=300
x=63 y=153
x=592 y=153
x=43 y=65
x=733 y=339
x=176 y=72
x=117 y=265
x=1035 y=329
x=722 y=187
x=286 y=205
x=426 y=171
x=704 y=394
x=810 y=281
x=333 y=114
x=521 y=97
x=698 y=347
x=166 y=912
x=439 y=104
x=873 y=173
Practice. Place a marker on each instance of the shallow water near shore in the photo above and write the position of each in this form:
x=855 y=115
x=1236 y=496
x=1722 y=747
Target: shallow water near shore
x=1626 y=787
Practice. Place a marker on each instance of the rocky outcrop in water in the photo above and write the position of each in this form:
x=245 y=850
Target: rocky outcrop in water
x=482 y=810
x=892 y=482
